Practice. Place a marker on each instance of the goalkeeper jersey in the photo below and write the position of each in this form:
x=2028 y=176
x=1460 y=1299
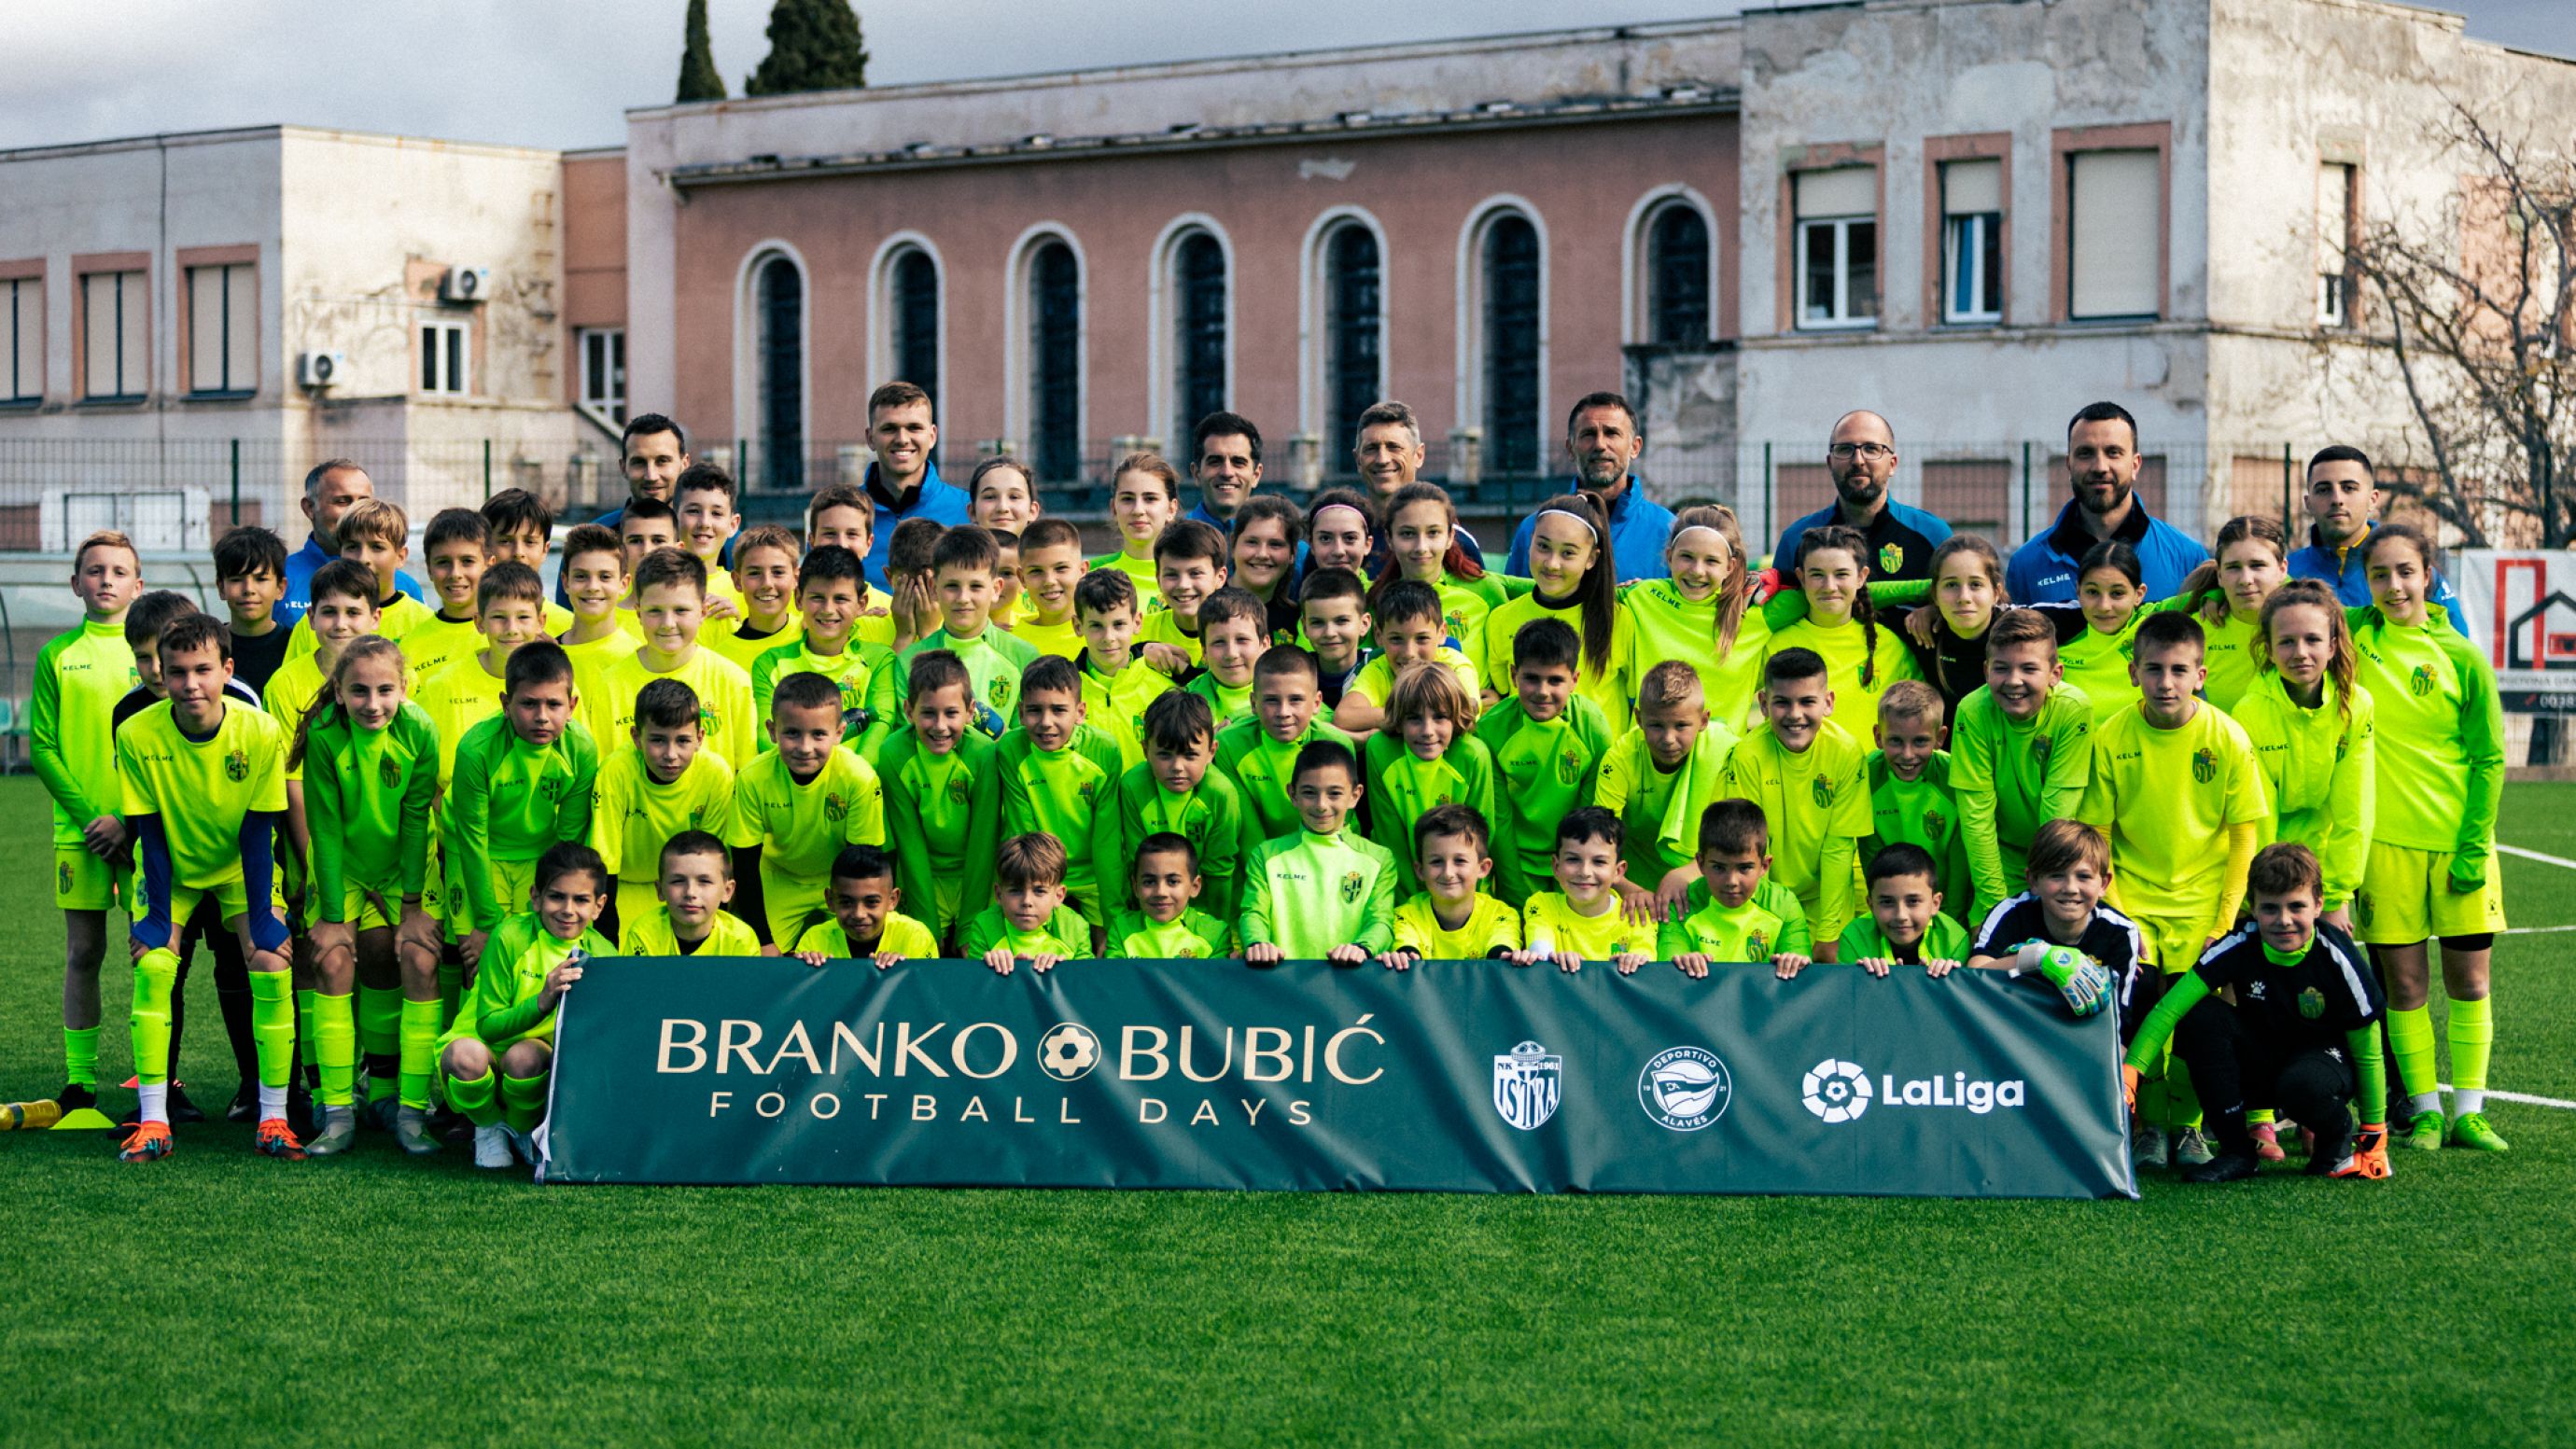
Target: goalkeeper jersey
x=71 y=736
x=367 y=798
x=1490 y=926
x=2109 y=937
x=652 y=934
x=1542 y=770
x=898 y=933
x=2011 y=777
x=1193 y=935
x=1943 y=940
x=1307 y=894
x=1769 y=923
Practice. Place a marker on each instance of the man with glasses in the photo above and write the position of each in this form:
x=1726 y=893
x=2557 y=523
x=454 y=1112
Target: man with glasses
x=1861 y=456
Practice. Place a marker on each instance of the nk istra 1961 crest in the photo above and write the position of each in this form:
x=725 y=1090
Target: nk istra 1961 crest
x=1528 y=1082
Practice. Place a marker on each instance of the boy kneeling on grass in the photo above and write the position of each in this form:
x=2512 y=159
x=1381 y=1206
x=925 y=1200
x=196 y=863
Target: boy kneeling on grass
x=2302 y=1036
x=507 y=1022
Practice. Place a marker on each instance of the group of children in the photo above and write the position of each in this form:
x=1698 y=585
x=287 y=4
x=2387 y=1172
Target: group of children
x=406 y=835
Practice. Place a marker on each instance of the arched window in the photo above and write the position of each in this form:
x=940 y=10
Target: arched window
x=1354 y=374
x=1509 y=263
x=780 y=352
x=1055 y=361
x=1198 y=338
x=1677 y=281
x=912 y=313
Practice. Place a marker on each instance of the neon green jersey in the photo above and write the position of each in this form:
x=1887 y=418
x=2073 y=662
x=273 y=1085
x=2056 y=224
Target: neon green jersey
x=1816 y=803
x=2097 y=664
x=854 y=669
x=80 y=675
x=456 y=699
x=635 y=815
x=727 y=637
x=944 y=819
x=801 y=827
x=1140 y=571
x=1465 y=605
x=1114 y=703
x=1551 y=923
x=2011 y=777
x=1065 y=934
x=1061 y=795
x=2166 y=798
x=728 y=723
x=1209 y=817
x=2320 y=768
x=1943 y=940
x=1922 y=811
x=994 y=661
x=1659 y=809
x=367 y=798
x=1608 y=682
x=1307 y=894
x=1848 y=650
x=1062 y=639
x=652 y=934
x=2441 y=771
x=1376 y=679
x=1769 y=923
x=1260 y=766
x=1490 y=926
x=1228 y=703
x=1403 y=787
x=506 y=1004
x=1667 y=624
x=1193 y=935
x=2229 y=653
x=1542 y=769
x=289 y=697
x=590 y=665
x=1163 y=626
x=396 y=618
x=202 y=788
x=510 y=801
x=434 y=643
x=898 y=933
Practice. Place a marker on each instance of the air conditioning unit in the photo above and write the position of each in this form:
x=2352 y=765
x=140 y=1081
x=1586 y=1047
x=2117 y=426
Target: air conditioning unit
x=321 y=369
x=465 y=284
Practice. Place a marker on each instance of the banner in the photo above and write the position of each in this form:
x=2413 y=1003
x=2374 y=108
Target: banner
x=2521 y=610
x=1453 y=1076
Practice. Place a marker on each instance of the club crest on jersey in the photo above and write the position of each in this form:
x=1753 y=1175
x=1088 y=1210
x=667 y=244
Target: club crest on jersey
x=1456 y=622
x=1936 y=822
x=236 y=767
x=957 y=790
x=1529 y=1081
x=1757 y=947
x=2420 y=683
x=1823 y=790
x=2312 y=1003
x=1352 y=886
x=710 y=723
x=1001 y=691
x=2040 y=745
x=1569 y=767
x=388 y=774
x=63 y=876
x=835 y=809
x=2342 y=743
x=1891 y=557
x=2204 y=766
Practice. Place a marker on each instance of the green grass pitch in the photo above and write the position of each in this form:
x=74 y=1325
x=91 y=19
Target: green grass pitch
x=223 y=1298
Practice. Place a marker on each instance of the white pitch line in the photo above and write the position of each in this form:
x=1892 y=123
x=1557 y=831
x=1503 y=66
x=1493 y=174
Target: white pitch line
x=2533 y=930
x=2526 y=1100
x=2558 y=860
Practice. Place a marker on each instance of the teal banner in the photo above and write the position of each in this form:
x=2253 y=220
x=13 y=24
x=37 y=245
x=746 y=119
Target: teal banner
x=1462 y=1076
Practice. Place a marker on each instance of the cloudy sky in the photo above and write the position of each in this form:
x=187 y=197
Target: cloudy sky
x=559 y=72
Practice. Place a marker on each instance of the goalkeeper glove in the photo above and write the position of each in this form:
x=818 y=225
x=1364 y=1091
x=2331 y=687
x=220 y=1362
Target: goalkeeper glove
x=2083 y=981
x=2369 y=1154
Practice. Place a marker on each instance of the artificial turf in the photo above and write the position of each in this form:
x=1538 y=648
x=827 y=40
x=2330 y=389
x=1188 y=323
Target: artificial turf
x=218 y=1297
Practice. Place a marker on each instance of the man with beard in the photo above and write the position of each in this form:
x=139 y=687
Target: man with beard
x=1861 y=455
x=330 y=490
x=1601 y=438
x=2102 y=470
x=1388 y=453
x=2343 y=507
x=1225 y=461
x=654 y=452
x=904 y=480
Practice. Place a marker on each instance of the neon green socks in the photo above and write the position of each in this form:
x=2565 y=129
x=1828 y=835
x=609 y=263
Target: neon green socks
x=523 y=1101
x=80 y=1056
x=419 y=1042
x=473 y=1097
x=272 y=1028
x=2410 y=1038
x=335 y=1046
x=150 y=1021
x=2472 y=1039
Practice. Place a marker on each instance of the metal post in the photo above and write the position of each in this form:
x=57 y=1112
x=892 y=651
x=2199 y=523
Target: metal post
x=2287 y=491
x=1766 y=495
x=487 y=470
x=2025 y=490
x=236 y=482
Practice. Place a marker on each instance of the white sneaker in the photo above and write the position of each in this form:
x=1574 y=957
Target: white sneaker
x=2149 y=1146
x=492 y=1146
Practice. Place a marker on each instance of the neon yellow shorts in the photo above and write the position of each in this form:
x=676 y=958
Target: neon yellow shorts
x=231 y=898
x=362 y=911
x=512 y=881
x=636 y=899
x=2173 y=942
x=2406 y=896
x=83 y=882
x=793 y=904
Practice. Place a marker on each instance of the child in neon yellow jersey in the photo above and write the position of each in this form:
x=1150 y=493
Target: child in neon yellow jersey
x=1166 y=926
x=1325 y=892
x=670 y=611
x=1117 y=686
x=1659 y=779
x=2253 y=560
x=1452 y=918
x=1051 y=564
x=1911 y=800
x=1410 y=631
x=1056 y=773
x=865 y=924
x=1736 y=911
x=694 y=884
x=1548 y=742
x=1422 y=547
x=765 y=561
x=1574 y=578
x=943 y=794
x=1144 y=499
x=1262 y=561
x=520 y=528
x=1905 y=925
x=594 y=580
x=2020 y=752
x=656 y=784
x=1257 y=754
x=1175 y=790
x=1811 y=778
x=1030 y=921
x=1426 y=757
x=1234 y=630
x=1581 y=920
x=1862 y=656
x=831 y=590
x=963 y=570
x=1701 y=614
x=795 y=806
x=1189 y=565
x=497 y=1056
x=456 y=549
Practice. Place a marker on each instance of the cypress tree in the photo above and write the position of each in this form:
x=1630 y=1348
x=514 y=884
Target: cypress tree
x=699 y=78
x=813 y=46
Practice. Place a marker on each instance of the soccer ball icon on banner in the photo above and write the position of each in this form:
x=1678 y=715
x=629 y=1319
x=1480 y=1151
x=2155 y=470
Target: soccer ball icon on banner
x=1068 y=1052
x=1837 y=1091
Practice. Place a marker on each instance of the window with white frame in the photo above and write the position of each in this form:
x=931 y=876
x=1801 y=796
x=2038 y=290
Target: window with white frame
x=116 y=336
x=445 y=351
x=1836 y=246
x=223 y=329
x=2334 y=239
x=1972 y=247
x=2114 y=234
x=24 y=315
x=603 y=371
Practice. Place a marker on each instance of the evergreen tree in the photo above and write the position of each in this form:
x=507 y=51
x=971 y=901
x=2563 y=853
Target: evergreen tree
x=813 y=46
x=699 y=78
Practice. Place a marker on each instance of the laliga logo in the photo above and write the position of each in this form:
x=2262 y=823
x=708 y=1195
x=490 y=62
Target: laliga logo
x=1836 y=1091
x=1839 y=1091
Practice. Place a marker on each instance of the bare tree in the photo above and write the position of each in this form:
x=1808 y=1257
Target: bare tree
x=2476 y=308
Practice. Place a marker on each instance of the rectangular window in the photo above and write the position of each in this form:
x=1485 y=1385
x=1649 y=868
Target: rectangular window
x=1972 y=227
x=116 y=338
x=443 y=358
x=24 y=316
x=603 y=372
x=2115 y=234
x=1836 y=262
x=223 y=329
x=2334 y=237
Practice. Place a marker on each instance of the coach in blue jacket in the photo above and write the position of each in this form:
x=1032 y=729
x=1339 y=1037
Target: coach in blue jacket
x=2343 y=507
x=1861 y=456
x=1601 y=437
x=2102 y=470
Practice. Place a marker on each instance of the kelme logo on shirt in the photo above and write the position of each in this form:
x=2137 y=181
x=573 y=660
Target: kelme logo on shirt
x=388 y=774
x=2420 y=683
x=2312 y=1003
x=1891 y=557
x=236 y=767
x=1353 y=885
x=2204 y=766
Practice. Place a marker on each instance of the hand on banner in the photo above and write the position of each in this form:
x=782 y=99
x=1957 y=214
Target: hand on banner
x=1399 y=959
x=1347 y=954
x=1001 y=959
x=1263 y=954
x=1693 y=964
x=559 y=980
x=1935 y=970
x=815 y=959
x=1629 y=961
x=1789 y=963
x=885 y=959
